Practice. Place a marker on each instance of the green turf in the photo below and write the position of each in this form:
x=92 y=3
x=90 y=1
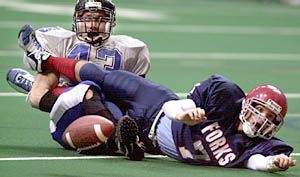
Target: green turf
x=25 y=133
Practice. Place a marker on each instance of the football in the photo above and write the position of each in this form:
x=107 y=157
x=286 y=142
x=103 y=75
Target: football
x=88 y=132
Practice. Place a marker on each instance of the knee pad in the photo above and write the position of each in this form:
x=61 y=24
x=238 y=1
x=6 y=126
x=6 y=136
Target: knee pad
x=94 y=106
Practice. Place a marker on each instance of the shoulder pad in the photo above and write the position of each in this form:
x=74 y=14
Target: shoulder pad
x=127 y=41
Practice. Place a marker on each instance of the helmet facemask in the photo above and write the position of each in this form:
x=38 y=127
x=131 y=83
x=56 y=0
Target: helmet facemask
x=255 y=123
x=93 y=24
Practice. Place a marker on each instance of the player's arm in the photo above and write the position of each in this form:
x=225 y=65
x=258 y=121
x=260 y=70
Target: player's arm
x=274 y=163
x=49 y=38
x=184 y=111
x=137 y=59
x=143 y=62
x=40 y=95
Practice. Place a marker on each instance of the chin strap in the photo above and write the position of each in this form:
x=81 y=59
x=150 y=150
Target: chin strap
x=247 y=130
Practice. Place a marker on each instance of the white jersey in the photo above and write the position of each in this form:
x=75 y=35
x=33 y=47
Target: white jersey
x=119 y=52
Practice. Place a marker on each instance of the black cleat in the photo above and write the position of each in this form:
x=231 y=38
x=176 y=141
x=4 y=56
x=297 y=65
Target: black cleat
x=127 y=134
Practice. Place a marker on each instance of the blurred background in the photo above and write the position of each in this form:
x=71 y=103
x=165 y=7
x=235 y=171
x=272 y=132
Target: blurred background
x=258 y=39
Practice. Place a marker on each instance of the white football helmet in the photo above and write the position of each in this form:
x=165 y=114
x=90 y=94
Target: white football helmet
x=93 y=28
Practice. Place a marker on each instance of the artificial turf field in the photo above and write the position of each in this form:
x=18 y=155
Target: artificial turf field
x=248 y=41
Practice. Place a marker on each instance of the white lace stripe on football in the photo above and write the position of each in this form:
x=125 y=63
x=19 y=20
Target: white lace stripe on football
x=99 y=133
x=69 y=140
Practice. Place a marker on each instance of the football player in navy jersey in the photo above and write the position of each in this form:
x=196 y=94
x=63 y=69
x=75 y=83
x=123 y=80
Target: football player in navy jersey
x=216 y=125
x=238 y=130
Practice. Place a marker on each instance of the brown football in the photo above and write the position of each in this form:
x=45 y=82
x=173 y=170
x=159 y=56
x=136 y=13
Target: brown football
x=88 y=132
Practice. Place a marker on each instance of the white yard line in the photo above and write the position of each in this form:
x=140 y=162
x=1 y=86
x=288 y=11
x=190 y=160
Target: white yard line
x=71 y=158
x=11 y=53
x=11 y=94
x=212 y=29
x=51 y=9
x=182 y=95
x=83 y=158
x=226 y=56
x=145 y=15
x=293 y=115
x=288 y=95
x=158 y=28
x=199 y=56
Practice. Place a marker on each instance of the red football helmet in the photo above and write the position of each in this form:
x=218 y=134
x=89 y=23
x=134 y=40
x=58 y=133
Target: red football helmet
x=256 y=124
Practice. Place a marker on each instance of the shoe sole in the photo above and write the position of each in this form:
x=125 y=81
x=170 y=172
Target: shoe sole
x=127 y=133
x=127 y=130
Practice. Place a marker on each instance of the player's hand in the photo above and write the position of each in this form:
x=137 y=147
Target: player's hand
x=192 y=116
x=283 y=161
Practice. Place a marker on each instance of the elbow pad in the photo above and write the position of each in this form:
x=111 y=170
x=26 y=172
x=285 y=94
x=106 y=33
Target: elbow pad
x=172 y=108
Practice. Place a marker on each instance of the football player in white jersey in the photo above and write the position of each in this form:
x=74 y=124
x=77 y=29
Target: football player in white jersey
x=91 y=40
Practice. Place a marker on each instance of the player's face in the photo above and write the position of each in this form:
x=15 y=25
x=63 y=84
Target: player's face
x=95 y=21
x=93 y=26
x=262 y=120
x=266 y=112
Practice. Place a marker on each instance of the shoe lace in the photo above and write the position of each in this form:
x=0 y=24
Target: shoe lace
x=38 y=51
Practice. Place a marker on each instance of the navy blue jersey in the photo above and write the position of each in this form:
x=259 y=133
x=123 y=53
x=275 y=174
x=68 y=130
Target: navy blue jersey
x=216 y=140
x=138 y=97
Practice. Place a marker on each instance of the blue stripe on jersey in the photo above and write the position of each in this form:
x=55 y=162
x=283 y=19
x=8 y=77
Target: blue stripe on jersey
x=69 y=107
x=68 y=117
x=165 y=138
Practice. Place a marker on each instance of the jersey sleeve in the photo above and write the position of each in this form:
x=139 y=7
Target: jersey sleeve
x=142 y=62
x=270 y=147
x=136 y=55
x=218 y=96
x=174 y=107
x=54 y=39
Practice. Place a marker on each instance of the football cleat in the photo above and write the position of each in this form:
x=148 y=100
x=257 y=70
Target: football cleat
x=20 y=80
x=33 y=49
x=127 y=134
